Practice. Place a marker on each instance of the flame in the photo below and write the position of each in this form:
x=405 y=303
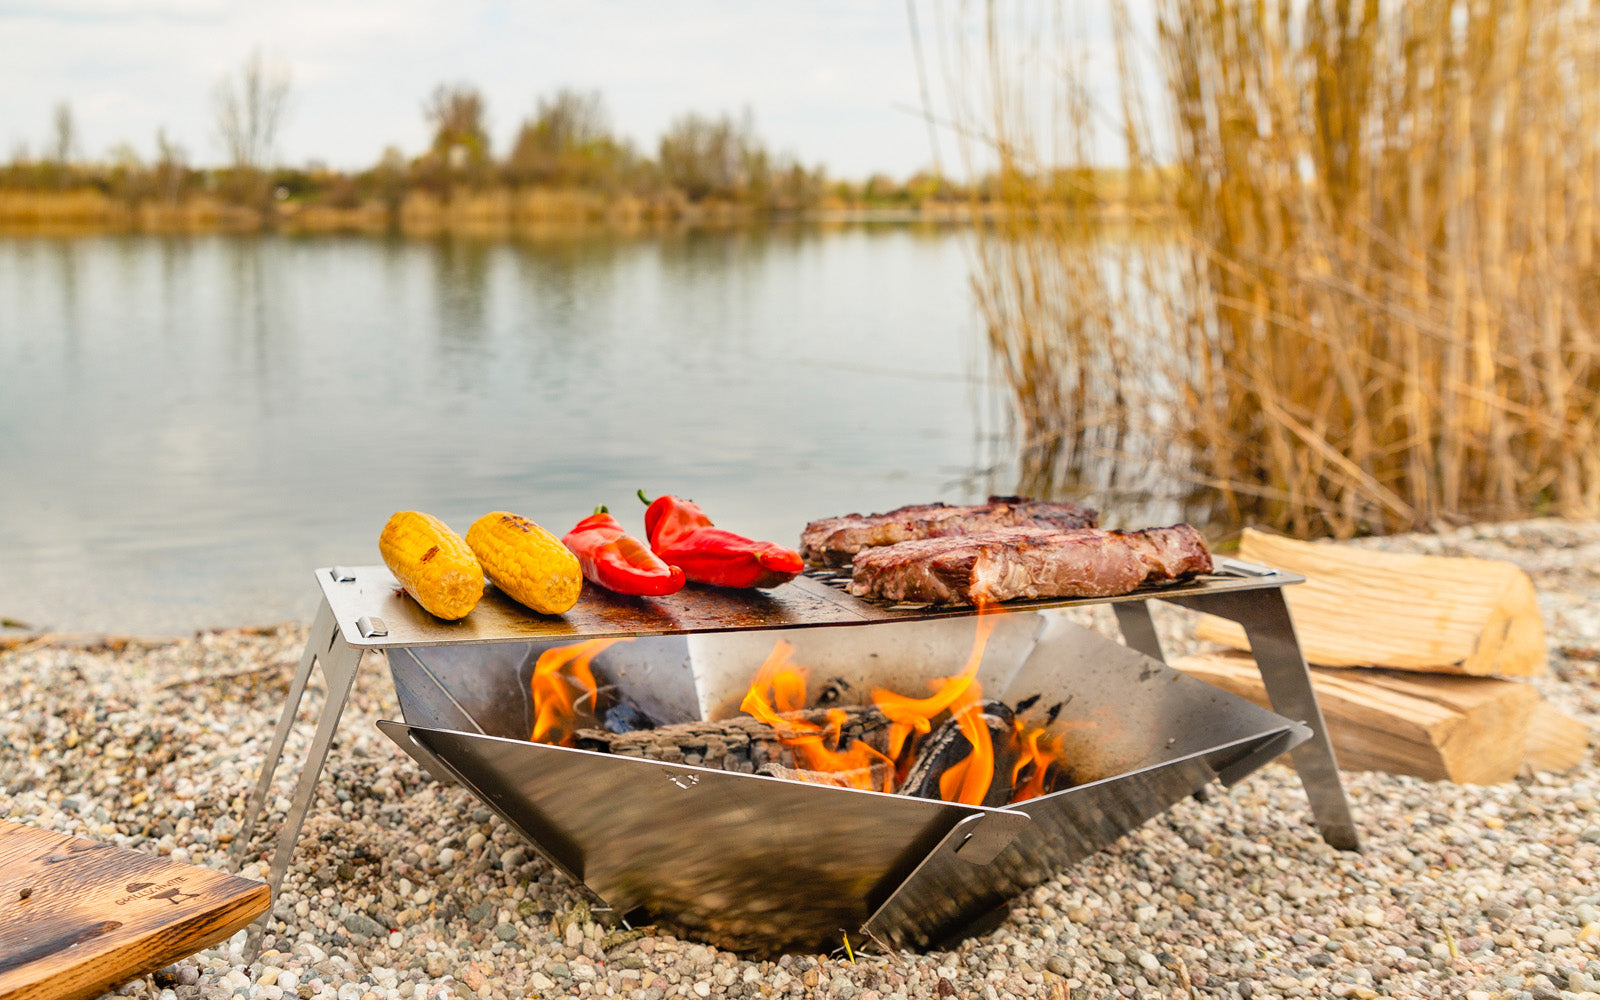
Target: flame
x=556 y=673
x=967 y=781
x=1040 y=750
x=915 y=715
x=779 y=690
x=785 y=683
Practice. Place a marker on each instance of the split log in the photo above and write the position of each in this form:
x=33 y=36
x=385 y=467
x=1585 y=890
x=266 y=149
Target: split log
x=1471 y=730
x=1430 y=614
x=1556 y=741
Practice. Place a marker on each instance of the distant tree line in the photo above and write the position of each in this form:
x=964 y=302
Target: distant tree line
x=567 y=143
x=565 y=161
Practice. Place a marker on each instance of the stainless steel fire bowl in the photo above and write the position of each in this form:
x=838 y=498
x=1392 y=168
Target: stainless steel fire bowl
x=761 y=864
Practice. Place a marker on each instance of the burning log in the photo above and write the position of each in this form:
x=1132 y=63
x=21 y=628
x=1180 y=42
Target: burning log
x=741 y=744
x=945 y=758
x=980 y=756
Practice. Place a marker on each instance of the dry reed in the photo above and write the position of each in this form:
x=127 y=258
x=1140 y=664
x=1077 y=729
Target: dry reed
x=1376 y=310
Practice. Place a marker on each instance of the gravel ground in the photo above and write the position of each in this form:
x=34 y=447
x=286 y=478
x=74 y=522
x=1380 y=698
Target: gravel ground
x=404 y=888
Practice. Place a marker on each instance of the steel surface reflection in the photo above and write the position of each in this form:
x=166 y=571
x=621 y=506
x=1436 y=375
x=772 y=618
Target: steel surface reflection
x=760 y=864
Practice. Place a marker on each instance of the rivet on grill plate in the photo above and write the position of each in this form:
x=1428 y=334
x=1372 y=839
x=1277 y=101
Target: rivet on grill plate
x=371 y=627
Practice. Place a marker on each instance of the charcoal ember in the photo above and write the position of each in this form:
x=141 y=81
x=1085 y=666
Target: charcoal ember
x=741 y=743
x=947 y=746
x=626 y=717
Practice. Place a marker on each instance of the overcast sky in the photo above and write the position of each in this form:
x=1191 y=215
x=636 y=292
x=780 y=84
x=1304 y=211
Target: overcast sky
x=831 y=82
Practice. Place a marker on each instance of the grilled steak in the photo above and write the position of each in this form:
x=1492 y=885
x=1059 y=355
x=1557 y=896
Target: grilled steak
x=1008 y=563
x=834 y=541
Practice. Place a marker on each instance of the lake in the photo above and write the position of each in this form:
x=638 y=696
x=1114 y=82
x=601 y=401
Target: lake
x=190 y=425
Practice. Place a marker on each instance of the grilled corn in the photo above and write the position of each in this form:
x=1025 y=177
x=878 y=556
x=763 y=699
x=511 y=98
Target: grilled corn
x=526 y=561
x=432 y=563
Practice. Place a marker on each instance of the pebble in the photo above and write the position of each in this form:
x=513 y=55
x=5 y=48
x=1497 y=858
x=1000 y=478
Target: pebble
x=1234 y=894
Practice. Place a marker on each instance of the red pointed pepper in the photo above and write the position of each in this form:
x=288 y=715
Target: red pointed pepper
x=615 y=560
x=684 y=536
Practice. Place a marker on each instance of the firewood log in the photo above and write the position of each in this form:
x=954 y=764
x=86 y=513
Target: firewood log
x=1472 y=730
x=1556 y=741
x=1431 y=614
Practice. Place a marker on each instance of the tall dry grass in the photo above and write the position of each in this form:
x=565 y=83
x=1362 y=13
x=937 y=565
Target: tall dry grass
x=1377 y=306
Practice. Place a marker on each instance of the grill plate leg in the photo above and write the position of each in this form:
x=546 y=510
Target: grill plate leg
x=339 y=662
x=324 y=632
x=1267 y=624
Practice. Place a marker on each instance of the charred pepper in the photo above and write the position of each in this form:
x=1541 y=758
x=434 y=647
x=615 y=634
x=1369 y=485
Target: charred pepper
x=613 y=559
x=684 y=536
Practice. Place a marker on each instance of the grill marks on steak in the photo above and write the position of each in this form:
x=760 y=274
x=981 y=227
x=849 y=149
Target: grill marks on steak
x=1010 y=563
x=834 y=541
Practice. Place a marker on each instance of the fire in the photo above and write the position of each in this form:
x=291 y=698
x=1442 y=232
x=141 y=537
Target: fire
x=556 y=674
x=1038 y=751
x=779 y=687
x=915 y=715
x=779 y=691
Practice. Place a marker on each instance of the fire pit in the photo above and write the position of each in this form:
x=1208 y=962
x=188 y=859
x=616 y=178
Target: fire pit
x=759 y=863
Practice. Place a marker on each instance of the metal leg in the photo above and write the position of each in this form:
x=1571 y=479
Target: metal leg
x=1138 y=628
x=339 y=667
x=324 y=632
x=1267 y=624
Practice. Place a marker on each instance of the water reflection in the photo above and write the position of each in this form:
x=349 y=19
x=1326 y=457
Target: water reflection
x=188 y=426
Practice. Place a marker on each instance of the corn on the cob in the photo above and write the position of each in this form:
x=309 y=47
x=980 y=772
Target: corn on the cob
x=432 y=563
x=526 y=561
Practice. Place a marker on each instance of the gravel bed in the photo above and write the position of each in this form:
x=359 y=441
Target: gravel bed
x=403 y=888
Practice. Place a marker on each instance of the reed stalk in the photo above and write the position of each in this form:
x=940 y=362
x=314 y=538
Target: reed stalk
x=1373 y=308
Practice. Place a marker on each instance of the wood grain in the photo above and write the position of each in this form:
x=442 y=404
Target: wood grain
x=1556 y=741
x=1431 y=614
x=1471 y=730
x=78 y=918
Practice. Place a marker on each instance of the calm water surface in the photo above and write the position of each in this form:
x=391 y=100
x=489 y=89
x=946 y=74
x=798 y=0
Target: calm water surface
x=189 y=426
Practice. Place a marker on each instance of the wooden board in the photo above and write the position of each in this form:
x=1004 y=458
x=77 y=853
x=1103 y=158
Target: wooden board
x=1432 y=614
x=78 y=918
x=1472 y=730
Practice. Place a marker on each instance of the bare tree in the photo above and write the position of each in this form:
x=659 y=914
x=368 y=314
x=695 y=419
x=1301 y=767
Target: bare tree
x=457 y=113
x=569 y=139
x=705 y=157
x=250 y=111
x=65 y=139
x=171 y=166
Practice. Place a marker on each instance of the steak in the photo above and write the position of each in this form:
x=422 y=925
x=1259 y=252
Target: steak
x=834 y=541
x=1008 y=563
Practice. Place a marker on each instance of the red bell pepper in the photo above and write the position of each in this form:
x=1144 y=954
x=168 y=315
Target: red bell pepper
x=615 y=560
x=684 y=536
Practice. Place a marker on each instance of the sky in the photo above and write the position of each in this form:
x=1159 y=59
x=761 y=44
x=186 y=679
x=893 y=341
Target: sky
x=829 y=82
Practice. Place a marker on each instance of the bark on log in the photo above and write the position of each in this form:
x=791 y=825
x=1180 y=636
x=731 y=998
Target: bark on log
x=1471 y=730
x=741 y=743
x=1430 y=614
